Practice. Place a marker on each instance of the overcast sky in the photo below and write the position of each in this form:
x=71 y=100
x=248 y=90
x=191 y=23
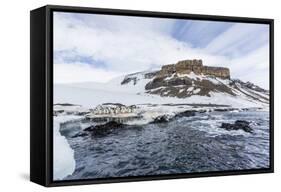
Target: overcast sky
x=89 y=47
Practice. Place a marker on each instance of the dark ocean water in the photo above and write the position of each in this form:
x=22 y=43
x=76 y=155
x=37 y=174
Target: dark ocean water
x=186 y=145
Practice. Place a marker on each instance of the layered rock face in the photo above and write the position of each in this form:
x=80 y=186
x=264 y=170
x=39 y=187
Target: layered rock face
x=190 y=77
x=195 y=66
x=177 y=79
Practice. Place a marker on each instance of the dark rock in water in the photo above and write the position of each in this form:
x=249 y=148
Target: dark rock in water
x=110 y=124
x=167 y=118
x=202 y=111
x=224 y=109
x=89 y=128
x=245 y=125
x=79 y=135
x=161 y=119
x=238 y=125
x=187 y=113
x=227 y=126
x=104 y=128
x=221 y=110
x=82 y=113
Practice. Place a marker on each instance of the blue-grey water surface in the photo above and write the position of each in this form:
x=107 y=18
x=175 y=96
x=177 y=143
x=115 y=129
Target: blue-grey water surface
x=186 y=145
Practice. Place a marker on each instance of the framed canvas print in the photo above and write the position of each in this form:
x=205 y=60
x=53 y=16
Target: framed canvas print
x=122 y=95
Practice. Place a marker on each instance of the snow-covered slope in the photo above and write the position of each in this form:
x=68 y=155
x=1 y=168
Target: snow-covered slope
x=145 y=87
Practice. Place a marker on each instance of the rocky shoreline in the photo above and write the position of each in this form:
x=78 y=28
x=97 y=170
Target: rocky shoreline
x=105 y=125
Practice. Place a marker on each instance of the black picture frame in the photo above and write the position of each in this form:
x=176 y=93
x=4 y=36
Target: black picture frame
x=41 y=99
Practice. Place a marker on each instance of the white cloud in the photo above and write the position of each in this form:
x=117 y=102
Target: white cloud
x=125 y=49
x=253 y=67
x=239 y=39
x=134 y=44
x=77 y=72
x=248 y=45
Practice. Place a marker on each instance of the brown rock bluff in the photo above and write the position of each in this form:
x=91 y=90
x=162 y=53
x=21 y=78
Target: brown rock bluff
x=195 y=66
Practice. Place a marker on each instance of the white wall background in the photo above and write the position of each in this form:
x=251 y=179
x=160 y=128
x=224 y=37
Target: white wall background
x=14 y=94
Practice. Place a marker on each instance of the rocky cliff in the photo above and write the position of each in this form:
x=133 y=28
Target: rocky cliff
x=195 y=66
x=190 y=77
